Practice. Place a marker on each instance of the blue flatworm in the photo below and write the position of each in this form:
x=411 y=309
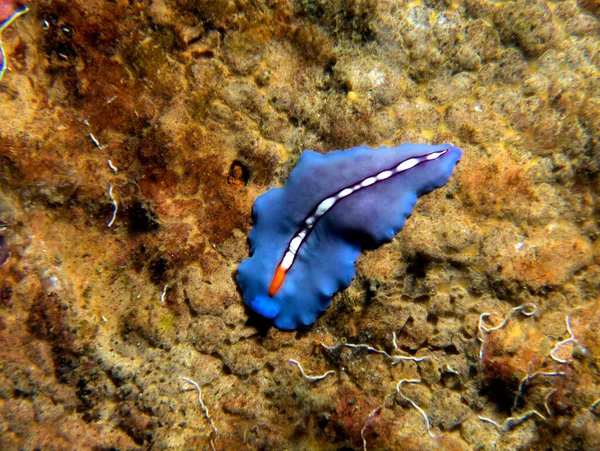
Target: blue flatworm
x=308 y=234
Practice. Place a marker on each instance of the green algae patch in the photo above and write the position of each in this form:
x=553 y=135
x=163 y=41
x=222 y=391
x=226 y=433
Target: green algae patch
x=167 y=322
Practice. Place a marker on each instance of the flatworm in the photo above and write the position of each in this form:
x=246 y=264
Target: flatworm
x=308 y=234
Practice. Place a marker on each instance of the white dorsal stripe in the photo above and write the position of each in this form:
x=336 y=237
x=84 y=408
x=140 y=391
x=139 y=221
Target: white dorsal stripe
x=295 y=244
x=288 y=260
x=326 y=204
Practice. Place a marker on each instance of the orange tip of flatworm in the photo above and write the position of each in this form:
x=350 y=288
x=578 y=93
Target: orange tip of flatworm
x=277 y=281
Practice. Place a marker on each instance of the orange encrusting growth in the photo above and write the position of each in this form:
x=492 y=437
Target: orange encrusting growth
x=277 y=281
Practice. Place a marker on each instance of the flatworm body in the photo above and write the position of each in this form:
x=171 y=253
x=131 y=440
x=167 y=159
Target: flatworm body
x=308 y=234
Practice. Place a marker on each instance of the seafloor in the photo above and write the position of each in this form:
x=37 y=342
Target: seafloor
x=187 y=111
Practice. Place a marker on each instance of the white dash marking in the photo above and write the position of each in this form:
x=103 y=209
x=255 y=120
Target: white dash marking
x=112 y=166
x=384 y=175
x=407 y=164
x=345 y=192
x=115 y=207
x=368 y=182
x=324 y=206
x=94 y=140
x=435 y=155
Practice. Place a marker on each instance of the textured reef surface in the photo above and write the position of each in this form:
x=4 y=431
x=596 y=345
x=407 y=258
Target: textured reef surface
x=135 y=137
